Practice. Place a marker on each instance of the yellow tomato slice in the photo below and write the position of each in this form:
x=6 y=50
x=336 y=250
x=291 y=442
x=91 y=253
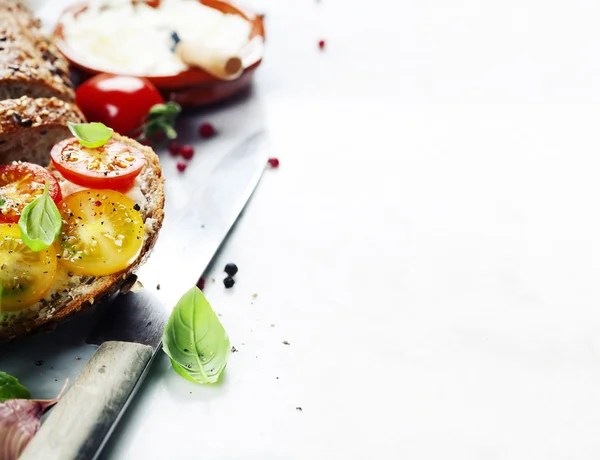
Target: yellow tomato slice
x=26 y=276
x=102 y=232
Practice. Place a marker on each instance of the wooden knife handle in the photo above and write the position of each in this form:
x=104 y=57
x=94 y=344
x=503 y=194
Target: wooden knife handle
x=77 y=426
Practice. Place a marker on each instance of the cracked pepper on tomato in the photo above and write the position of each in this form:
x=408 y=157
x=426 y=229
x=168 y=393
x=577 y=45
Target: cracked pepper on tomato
x=20 y=184
x=114 y=165
x=100 y=229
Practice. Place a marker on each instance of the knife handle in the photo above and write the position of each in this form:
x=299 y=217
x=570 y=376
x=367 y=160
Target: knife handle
x=78 y=425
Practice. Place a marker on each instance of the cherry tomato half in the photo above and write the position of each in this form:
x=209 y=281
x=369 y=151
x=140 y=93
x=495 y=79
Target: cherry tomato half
x=102 y=232
x=25 y=275
x=20 y=184
x=118 y=101
x=114 y=166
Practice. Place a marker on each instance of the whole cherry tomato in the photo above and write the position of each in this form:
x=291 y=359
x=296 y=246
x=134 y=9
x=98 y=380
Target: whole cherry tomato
x=118 y=101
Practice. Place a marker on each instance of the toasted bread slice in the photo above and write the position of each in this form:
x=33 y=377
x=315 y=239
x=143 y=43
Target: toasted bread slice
x=30 y=65
x=29 y=127
x=72 y=293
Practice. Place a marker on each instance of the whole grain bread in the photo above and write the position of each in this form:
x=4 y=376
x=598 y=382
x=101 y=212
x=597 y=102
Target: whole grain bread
x=29 y=64
x=29 y=127
x=84 y=291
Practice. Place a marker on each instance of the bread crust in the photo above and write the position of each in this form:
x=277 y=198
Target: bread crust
x=29 y=64
x=91 y=290
x=28 y=112
x=29 y=127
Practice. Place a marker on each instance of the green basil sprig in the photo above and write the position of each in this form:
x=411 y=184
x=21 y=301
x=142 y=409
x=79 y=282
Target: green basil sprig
x=195 y=339
x=10 y=388
x=161 y=119
x=92 y=135
x=40 y=222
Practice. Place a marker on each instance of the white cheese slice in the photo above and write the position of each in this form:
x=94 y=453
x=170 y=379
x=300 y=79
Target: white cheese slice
x=68 y=188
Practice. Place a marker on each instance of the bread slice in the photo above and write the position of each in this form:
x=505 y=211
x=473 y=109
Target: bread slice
x=29 y=127
x=29 y=64
x=81 y=291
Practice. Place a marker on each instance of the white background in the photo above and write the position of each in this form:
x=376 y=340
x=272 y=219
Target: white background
x=430 y=245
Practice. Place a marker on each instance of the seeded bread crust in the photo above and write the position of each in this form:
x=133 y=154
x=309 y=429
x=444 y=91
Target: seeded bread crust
x=29 y=64
x=29 y=127
x=86 y=290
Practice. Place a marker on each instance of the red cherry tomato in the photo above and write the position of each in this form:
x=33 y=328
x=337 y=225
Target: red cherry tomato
x=20 y=184
x=113 y=166
x=118 y=101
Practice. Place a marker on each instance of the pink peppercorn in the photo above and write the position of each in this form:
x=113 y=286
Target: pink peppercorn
x=174 y=148
x=206 y=130
x=186 y=151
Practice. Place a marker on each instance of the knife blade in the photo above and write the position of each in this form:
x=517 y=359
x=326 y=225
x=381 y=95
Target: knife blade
x=130 y=332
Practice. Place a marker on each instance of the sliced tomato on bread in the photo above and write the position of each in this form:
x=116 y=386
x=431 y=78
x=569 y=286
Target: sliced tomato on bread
x=20 y=184
x=115 y=165
x=102 y=232
x=100 y=257
x=25 y=275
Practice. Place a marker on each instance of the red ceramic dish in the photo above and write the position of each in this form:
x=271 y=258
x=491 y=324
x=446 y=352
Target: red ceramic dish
x=192 y=87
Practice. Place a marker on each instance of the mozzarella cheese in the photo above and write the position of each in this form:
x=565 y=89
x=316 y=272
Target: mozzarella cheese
x=120 y=37
x=68 y=188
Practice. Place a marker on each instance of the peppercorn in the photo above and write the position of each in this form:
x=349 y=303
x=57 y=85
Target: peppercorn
x=231 y=269
x=228 y=282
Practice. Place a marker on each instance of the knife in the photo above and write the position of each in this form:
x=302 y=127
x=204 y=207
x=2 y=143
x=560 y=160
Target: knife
x=130 y=332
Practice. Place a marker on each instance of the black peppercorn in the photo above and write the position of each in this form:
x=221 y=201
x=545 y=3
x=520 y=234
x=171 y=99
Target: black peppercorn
x=231 y=269
x=228 y=282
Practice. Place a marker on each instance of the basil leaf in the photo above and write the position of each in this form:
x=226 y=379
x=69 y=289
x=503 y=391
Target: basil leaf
x=10 y=388
x=2 y=201
x=161 y=120
x=40 y=222
x=91 y=135
x=195 y=339
x=170 y=109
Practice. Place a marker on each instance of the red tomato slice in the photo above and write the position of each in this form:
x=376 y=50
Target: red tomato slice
x=114 y=166
x=20 y=184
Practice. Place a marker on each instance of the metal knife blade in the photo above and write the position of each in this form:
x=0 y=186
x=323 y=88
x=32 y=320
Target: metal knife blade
x=190 y=237
x=131 y=329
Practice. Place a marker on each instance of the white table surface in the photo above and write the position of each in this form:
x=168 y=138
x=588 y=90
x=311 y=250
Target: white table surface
x=430 y=245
